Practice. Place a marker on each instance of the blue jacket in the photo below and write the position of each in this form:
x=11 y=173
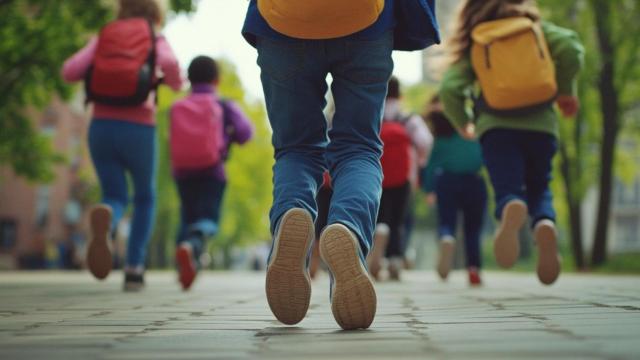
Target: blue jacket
x=414 y=23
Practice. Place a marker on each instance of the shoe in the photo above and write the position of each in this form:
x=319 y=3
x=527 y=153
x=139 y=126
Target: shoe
x=507 y=244
x=288 y=285
x=99 y=259
x=474 y=276
x=546 y=239
x=353 y=297
x=380 y=240
x=187 y=265
x=133 y=281
x=445 y=257
x=395 y=267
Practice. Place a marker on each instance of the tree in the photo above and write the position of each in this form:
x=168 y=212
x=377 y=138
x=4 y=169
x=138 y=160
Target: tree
x=37 y=36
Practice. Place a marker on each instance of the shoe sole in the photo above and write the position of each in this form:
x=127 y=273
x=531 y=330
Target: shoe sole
x=548 y=268
x=353 y=300
x=133 y=287
x=377 y=253
x=288 y=286
x=446 y=257
x=99 y=260
x=506 y=247
x=186 y=269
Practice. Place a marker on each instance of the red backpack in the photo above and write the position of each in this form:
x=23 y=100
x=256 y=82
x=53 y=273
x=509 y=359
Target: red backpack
x=396 y=154
x=196 y=133
x=123 y=69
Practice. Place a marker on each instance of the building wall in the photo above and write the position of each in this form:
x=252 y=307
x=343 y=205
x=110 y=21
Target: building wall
x=44 y=214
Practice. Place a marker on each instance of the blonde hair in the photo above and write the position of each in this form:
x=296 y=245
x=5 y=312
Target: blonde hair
x=474 y=12
x=152 y=10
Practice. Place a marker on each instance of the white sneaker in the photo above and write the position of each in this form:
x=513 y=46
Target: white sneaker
x=506 y=246
x=445 y=258
x=546 y=238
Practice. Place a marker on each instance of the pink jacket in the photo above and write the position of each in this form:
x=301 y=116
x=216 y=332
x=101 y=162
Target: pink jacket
x=75 y=68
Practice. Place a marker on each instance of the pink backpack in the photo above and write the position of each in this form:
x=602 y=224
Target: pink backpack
x=196 y=132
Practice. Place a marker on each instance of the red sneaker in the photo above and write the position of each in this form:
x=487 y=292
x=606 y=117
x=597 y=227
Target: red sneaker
x=474 y=277
x=187 y=268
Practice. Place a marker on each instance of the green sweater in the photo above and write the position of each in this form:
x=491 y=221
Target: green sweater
x=459 y=83
x=451 y=154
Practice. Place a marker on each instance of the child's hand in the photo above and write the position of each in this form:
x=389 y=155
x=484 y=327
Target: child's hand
x=469 y=131
x=568 y=105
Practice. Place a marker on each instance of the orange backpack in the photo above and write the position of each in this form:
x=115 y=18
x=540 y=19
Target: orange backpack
x=511 y=59
x=319 y=19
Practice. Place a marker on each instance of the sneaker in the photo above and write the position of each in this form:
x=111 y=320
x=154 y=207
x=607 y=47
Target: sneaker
x=353 y=297
x=546 y=239
x=474 y=276
x=288 y=285
x=133 y=281
x=396 y=264
x=507 y=244
x=99 y=260
x=187 y=265
x=445 y=257
x=380 y=240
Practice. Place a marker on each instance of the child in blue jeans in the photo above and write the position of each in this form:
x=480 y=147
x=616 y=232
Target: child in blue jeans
x=453 y=175
x=201 y=187
x=519 y=142
x=299 y=43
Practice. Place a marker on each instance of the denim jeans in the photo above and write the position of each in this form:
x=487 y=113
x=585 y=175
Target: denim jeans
x=394 y=205
x=119 y=148
x=519 y=164
x=200 y=202
x=466 y=194
x=293 y=74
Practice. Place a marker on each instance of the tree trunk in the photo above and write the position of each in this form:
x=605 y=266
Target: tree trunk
x=574 y=205
x=610 y=113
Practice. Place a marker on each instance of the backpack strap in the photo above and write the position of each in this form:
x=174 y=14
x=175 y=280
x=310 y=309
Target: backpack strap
x=227 y=123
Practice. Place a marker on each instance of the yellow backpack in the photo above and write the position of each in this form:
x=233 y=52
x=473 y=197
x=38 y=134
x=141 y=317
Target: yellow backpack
x=319 y=19
x=511 y=59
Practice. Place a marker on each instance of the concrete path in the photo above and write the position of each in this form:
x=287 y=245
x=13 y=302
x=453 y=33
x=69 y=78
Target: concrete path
x=70 y=316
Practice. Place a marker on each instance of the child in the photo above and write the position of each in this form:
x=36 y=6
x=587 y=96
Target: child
x=299 y=44
x=522 y=65
x=201 y=183
x=407 y=143
x=122 y=132
x=453 y=174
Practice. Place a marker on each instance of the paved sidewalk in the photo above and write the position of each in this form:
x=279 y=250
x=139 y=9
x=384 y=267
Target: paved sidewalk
x=70 y=316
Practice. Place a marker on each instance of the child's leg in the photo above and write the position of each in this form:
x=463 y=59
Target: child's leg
x=293 y=74
x=540 y=151
x=360 y=70
x=138 y=151
x=447 y=204
x=504 y=157
x=113 y=183
x=473 y=207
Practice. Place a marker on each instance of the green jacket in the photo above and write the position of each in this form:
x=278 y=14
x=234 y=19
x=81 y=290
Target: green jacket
x=459 y=84
x=451 y=154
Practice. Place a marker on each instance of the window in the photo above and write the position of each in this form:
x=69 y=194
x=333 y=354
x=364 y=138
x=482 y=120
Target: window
x=8 y=234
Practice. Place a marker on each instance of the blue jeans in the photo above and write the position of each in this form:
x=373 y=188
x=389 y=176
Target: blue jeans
x=119 y=148
x=464 y=193
x=200 y=202
x=519 y=164
x=293 y=74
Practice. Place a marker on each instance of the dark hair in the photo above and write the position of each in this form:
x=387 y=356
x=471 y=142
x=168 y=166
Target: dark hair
x=203 y=69
x=438 y=121
x=393 y=91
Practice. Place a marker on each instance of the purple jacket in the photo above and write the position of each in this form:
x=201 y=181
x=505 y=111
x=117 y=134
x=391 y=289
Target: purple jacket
x=238 y=129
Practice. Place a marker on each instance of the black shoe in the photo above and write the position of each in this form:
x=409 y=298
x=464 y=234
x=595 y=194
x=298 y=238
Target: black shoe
x=133 y=282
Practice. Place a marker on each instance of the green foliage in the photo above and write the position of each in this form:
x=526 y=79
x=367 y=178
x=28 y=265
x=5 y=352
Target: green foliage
x=244 y=218
x=37 y=36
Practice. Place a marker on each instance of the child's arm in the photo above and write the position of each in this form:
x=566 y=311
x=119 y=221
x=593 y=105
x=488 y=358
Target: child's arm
x=242 y=126
x=76 y=67
x=455 y=90
x=427 y=176
x=421 y=138
x=168 y=64
x=568 y=56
